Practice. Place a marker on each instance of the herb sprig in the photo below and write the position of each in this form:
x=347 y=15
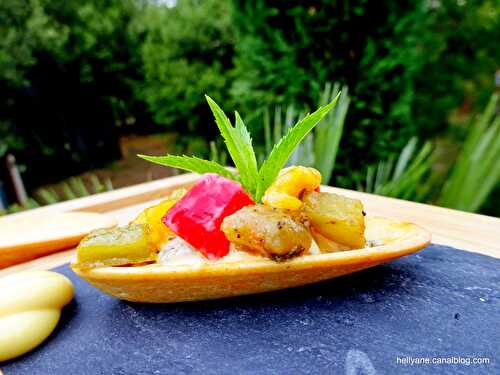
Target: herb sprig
x=238 y=141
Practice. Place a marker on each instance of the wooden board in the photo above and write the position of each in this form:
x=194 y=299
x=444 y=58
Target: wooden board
x=27 y=237
x=472 y=232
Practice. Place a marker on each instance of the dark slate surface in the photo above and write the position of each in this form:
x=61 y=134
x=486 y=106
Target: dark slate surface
x=439 y=302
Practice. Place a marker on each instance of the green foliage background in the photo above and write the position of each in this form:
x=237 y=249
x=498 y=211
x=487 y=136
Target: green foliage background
x=407 y=64
x=187 y=52
x=87 y=71
x=68 y=71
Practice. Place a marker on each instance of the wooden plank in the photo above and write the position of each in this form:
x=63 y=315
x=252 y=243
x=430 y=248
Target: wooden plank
x=472 y=232
x=45 y=233
x=119 y=198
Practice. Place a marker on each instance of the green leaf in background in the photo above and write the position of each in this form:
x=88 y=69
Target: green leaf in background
x=284 y=149
x=72 y=188
x=475 y=173
x=407 y=179
x=239 y=145
x=320 y=147
x=329 y=131
x=219 y=156
x=191 y=164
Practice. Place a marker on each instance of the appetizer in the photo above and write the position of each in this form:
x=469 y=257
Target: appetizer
x=216 y=218
x=252 y=229
x=271 y=213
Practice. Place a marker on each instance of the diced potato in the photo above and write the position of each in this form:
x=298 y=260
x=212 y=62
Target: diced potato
x=116 y=246
x=286 y=190
x=153 y=217
x=337 y=218
x=326 y=245
x=271 y=232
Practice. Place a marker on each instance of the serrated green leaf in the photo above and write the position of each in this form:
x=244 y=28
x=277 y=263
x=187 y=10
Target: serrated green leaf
x=239 y=146
x=247 y=152
x=285 y=147
x=191 y=164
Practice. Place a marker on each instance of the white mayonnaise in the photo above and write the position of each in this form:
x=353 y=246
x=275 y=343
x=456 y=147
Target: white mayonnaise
x=179 y=252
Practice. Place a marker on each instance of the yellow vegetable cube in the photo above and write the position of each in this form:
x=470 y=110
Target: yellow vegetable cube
x=326 y=245
x=153 y=217
x=337 y=218
x=116 y=246
x=291 y=183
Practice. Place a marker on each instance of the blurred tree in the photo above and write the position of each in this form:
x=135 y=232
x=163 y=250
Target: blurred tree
x=187 y=52
x=407 y=64
x=67 y=74
x=23 y=26
x=286 y=50
x=458 y=40
x=73 y=73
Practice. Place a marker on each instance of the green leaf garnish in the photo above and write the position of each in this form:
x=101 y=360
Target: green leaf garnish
x=282 y=151
x=191 y=164
x=239 y=145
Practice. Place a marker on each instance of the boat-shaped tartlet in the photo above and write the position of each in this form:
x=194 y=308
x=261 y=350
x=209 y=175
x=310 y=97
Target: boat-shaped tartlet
x=260 y=230
x=192 y=281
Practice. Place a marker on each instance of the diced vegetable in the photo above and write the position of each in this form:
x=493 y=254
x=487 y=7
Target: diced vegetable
x=290 y=184
x=272 y=232
x=197 y=216
x=326 y=245
x=337 y=218
x=116 y=246
x=153 y=217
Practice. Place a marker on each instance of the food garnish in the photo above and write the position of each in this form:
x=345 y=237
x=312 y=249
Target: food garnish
x=197 y=217
x=254 y=180
x=336 y=217
x=264 y=211
x=153 y=217
x=291 y=183
x=269 y=231
x=133 y=243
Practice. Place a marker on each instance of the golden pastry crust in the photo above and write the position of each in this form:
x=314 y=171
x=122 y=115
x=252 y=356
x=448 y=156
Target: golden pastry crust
x=162 y=283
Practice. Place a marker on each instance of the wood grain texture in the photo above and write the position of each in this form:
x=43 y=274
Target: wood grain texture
x=23 y=238
x=472 y=232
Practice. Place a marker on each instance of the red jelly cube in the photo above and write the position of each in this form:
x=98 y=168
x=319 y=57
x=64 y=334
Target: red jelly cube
x=197 y=217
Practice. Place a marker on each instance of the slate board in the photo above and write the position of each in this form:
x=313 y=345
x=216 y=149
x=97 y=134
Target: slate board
x=439 y=302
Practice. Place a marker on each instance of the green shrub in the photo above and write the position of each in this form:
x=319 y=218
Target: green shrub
x=285 y=52
x=187 y=52
x=407 y=177
x=407 y=64
x=470 y=184
x=458 y=41
x=67 y=74
x=25 y=28
x=476 y=171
